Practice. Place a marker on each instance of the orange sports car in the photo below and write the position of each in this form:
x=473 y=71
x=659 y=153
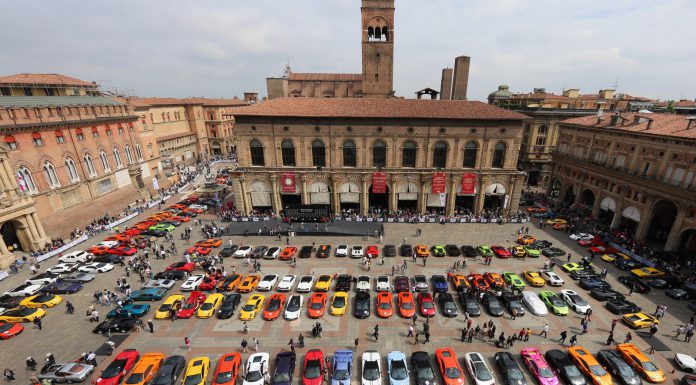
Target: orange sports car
x=227 y=369
x=200 y=250
x=178 y=206
x=192 y=210
x=180 y=218
x=229 y=283
x=249 y=283
x=132 y=232
x=422 y=251
x=288 y=253
x=384 y=304
x=145 y=369
x=119 y=238
x=317 y=305
x=526 y=240
x=274 y=306
x=9 y=330
x=98 y=250
x=459 y=280
x=407 y=306
x=210 y=242
x=494 y=279
x=451 y=372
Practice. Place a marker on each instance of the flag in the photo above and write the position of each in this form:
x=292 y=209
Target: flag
x=287 y=182
x=438 y=183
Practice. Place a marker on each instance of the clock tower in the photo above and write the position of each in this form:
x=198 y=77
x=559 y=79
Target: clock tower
x=377 y=48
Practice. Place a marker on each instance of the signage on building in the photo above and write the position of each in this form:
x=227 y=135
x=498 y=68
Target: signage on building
x=468 y=183
x=379 y=183
x=287 y=182
x=439 y=182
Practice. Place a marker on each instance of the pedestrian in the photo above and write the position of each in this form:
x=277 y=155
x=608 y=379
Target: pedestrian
x=527 y=334
x=613 y=324
x=31 y=363
x=610 y=339
x=34 y=380
x=70 y=308
x=37 y=323
x=513 y=314
x=544 y=330
x=564 y=335
x=300 y=340
x=628 y=338
x=292 y=345
x=410 y=331
x=187 y=342
x=689 y=334
x=588 y=315
x=357 y=341
x=630 y=290
x=568 y=258
x=427 y=337
x=256 y=344
x=244 y=345
x=414 y=318
x=9 y=374
x=653 y=330
x=464 y=333
x=424 y=258
x=376 y=335
x=521 y=334
x=573 y=340
x=416 y=338
x=151 y=326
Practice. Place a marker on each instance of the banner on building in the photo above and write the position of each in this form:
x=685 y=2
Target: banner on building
x=155 y=184
x=287 y=182
x=468 y=183
x=379 y=183
x=443 y=199
x=439 y=182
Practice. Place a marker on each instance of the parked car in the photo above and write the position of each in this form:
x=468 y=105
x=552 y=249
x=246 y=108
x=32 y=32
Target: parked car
x=478 y=369
x=512 y=374
x=560 y=361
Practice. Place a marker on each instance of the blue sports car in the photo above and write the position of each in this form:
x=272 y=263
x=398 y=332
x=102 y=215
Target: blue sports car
x=284 y=368
x=131 y=310
x=397 y=369
x=594 y=283
x=148 y=294
x=62 y=287
x=342 y=367
x=439 y=283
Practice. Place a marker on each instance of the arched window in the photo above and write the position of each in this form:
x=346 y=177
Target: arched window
x=385 y=32
x=105 y=161
x=95 y=132
x=90 y=166
x=379 y=154
x=318 y=153
x=287 y=149
x=60 y=138
x=117 y=157
x=370 y=33
x=129 y=156
x=36 y=138
x=440 y=154
x=499 y=155
x=50 y=174
x=349 y=154
x=470 y=152
x=72 y=170
x=11 y=142
x=256 y=150
x=408 y=156
x=26 y=181
x=138 y=151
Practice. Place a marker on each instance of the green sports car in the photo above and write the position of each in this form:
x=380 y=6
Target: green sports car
x=573 y=266
x=485 y=251
x=553 y=302
x=163 y=226
x=438 y=251
x=531 y=252
x=514 y=280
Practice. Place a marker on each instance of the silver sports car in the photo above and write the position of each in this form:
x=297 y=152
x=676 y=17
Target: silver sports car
x=71 y=372
x=78 y=277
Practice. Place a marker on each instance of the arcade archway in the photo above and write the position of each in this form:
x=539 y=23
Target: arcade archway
x=687 y=242
x=349 y=197
x=378 y=202
x=9 y=231
x=494 y=197
x=607 y=208
x=630 y=217
x=569 y=196
x=407 y=196
x=664 y=213
x=587 y=198
x=261 y=195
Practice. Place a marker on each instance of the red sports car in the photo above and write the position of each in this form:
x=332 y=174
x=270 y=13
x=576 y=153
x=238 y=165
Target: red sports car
x=200 y=250
x=274 y=306
x=191 y=199
x=372 y=251
x=123 y=238
x=208 y=283
x=407 y=307
x=132 y=232
x=227 y=369
x=123 y=250
x=384 y=304
x=603 y=249
x=9 y=330
x=501 y=252
x=478 y=281
x=183 y=266
x=596 y=241
x=119 y=367
x=195 y=299
x=178 y=218
x=426 y=304
x=98 y=250
x=288 y=253
x=317 y=305
x=313 y=368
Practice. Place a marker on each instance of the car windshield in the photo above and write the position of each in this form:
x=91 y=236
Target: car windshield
x=324 y=278
x=189 y=306
x=294 y=304
x=597 y=370
x=577 y=300
x=425 y=373
x=626 y=371
x=207 y=306
x=5 y=327
x=316 y=305
x=135 y=378
x=249 y=307
x=450 y=306
x=164 y=307
x=253 y=376
x=273 y=305
x=306 y=280
x=371 y=371
x=44 y=298
x=453 y=372
x=341 y=374
x=546 y=372
x=385 y=305
x=572 y=371
x=427 y=305
x=649 y=367
x=312 y=369
x=556 y=301
x=514 y=374
x=398 y=370
x=339 y=302
x=114 y=369
x=281 y=377
x=482 y=373
x=362 y=305
x=223 y=377
x=407 y=305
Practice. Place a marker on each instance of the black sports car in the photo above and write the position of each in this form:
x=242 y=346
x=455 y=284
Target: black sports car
x=453 y=251
x=584 y=273
x=389 y=251
x=447 y=305
x=471 y=251
x=560 y=361
x=362 y=305
x=305 y=252
x=542 y=244
x=172 y=274
x=228 y=250
x=154 y=232
x=406 y=250
x=606 y=295
x=508 y=367
x=168 y=373
x=627 y=264
x=116 y=325
x=324 y=251
x=678 y=294
x=62 y=287
x=108 y=258
x=343 y=282
x=639 y=286
x=594 y=283
x=423 y=369
x=512 y=302
x=228 y=306
x=259 y=251
x=552 y=252
x=10 y=302
x=469 y=305
x=490 y=301
x=615 y=365
x=622 y=307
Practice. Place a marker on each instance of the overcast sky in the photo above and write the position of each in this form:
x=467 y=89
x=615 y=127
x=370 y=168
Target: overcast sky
x=223 y=48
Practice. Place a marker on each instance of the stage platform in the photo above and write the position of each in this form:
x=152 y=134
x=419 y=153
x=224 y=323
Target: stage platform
x=338 y=228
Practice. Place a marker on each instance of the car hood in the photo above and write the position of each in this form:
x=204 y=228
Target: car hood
x=686 y=359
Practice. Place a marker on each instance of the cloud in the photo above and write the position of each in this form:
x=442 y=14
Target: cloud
x=214 y=48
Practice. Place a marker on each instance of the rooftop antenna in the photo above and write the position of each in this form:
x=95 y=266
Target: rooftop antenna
x=286 y=69
x=616 y=84
x=564 y=87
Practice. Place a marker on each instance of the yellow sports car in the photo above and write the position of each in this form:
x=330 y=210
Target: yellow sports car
x=323 y=283
x=22 y=314
x=252 y=306
x=534 y=278
x=197 y=371
x=210 y=306
x=173 y=301
x=639 y=320
x=526 y=240
x=339 y=303
x=41 y=300
x=556 y=221
x=519 y=251
x=611 y=258
x=249 y=283
x=647 y=272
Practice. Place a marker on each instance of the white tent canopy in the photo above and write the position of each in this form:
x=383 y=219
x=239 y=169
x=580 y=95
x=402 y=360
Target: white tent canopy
x=319 y=193
x=495 y=189
x=631 y=212
x=407 y=191
x=349 y=192
x=260 y=194
x=608 y=204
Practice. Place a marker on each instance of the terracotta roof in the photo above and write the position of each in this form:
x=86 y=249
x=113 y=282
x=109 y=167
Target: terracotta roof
x=378 y=108
x=312 y=77
x=539 y=95
x=220 y=102
x=662 y=124
x=48 y=79
x=148 y=102
x=685 y=103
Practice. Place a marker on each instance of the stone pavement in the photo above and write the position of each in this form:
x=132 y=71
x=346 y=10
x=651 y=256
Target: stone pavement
x=66 y=336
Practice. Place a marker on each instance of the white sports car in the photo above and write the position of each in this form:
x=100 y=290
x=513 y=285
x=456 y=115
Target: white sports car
x=272 y=253
x=685 y=362
x=64 y=268
x=575 y=302
x=552 y=278
x=534 y=303
x=581 y=237
x=165 y=283
x=23 y=290
x=478 y=369
x=96 y=267
x=293 y=307
x=306 y=284
x=192 y=282
x=342 y=251
x=356 y=252
x=287 y=282
x=108 y=244
x=256 y=369
x=371 y=368
x=383 y=283
x=363 y=283
x=42 y=279
x=267 y=282
x=198 y=206
x=243 y=252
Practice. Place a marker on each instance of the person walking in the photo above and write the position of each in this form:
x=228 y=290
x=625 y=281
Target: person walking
x=151 y=326
x=187 y=342
x=70 y=308
x=37 y=323
x=564 y=335
x=256 y=344
x=414 y=318
x=357 y=341
x=427 y=337
x=31 y=363
x=416 y=338
x=653 y=330
x=513 y=314
x=9 y=374
x=610 y=339
x=300 y=340
x=545 y=330
x=410 y=331
x=464 y=333
x=573 y=340
x=292 y=345
x=244 y=345
x=630 y=290
x=588 y=315
x=613 y=324
x=628 y=338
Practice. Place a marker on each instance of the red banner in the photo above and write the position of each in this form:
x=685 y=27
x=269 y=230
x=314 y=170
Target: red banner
x=439 y=182
x=379 y=183
x=468 y=183
x=287 y=182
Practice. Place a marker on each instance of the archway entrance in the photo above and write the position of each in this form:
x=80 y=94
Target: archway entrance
x=533 y=178
x=607 y=208
x=464 y=202
x=261 y=198
x=216 y=148
x=569 y=196
x=494 y=197
x=378 y=202
x=9 y=236
x=555 y=188
x=435 y=203
x=587 y=198
x=290 y=199
x=349 y=197
x=407 y=197
x=687 y=242
x=630 y=217
x=664 y=213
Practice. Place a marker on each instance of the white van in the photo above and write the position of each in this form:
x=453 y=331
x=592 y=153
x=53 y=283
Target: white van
x=76 y=257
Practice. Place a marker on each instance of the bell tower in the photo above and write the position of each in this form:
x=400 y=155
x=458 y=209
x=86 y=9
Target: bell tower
x=377 y=48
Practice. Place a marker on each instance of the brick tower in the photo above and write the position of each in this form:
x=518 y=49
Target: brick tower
x=377 y=48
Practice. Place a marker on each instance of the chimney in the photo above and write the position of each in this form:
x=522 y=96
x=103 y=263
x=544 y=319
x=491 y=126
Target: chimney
x=650 y=122
x=446 y=84
x=251 y=97
x=460 y=82
x=614 y=119
x=692 y=122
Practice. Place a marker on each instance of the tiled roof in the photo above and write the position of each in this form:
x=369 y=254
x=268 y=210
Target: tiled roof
x=378 y=108
x=220 y=102
x=662 y=124
x=47 y=79
x=313 y=76
x=539 y=95
x=55 y=101
x=147 y=102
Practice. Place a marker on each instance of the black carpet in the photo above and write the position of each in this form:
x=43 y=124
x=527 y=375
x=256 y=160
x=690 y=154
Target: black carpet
x=338 y=228
x=106 y=349
x=653 y=341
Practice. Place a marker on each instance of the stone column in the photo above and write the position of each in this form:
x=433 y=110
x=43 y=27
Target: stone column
x=5 y=177
x=246 y=207
x=38 y=225
x=451 y=195
x=596 y=206
x=421 y=196
x=274 y=188
x=364 y=199
x=305 y=194
x=392 y=195
x=8 y=171
x=616 y=219
x=335 y=197
x=480 y=197
x=32 y=228
x=644 y=224
x=674 y=232
x=3 y=248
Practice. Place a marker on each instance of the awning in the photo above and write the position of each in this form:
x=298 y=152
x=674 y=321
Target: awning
x=261 y=199
x=408 y=196
x=495 y=189
x=320 y=198
x=435 y=200
x=608 y=204
x=632 y=213
x=350 y=197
